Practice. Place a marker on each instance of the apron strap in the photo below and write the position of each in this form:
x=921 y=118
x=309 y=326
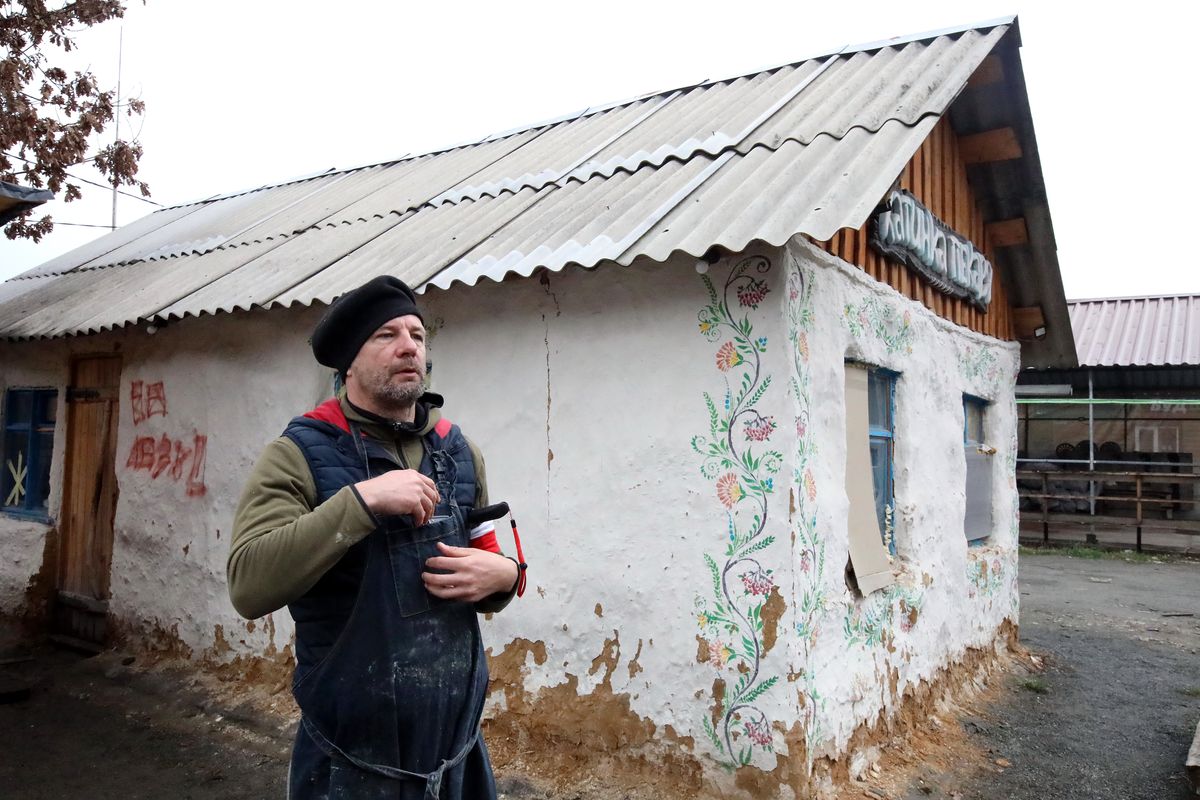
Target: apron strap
x=433 y=780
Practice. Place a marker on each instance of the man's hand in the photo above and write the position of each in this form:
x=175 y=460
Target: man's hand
x=400 y=491
x=471 y=574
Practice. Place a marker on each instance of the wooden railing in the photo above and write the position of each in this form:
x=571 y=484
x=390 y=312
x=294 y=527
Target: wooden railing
x=1107 y=490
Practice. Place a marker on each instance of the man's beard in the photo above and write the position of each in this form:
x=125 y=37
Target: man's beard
x=387 y=394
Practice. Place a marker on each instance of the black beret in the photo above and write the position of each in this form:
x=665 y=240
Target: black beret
x=357 y=314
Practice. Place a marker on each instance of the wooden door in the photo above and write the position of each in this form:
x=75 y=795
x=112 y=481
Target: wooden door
x=89 y=500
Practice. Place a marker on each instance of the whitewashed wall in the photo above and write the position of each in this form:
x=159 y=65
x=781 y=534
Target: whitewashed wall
x=597 y=398
x=865 y=653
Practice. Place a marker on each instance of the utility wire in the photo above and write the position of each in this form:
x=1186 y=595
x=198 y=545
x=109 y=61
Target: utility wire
x=93 y=183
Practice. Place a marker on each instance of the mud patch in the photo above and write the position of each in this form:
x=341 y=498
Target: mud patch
x=34 y=614
x=564 y=739
x=772 y=610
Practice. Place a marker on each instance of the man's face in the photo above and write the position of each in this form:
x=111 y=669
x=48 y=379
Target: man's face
x=389 y=370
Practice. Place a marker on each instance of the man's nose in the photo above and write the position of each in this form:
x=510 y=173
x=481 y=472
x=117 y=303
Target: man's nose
x=406 y=344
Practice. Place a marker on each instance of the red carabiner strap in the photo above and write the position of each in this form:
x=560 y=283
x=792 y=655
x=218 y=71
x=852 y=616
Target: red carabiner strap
x=521 y=565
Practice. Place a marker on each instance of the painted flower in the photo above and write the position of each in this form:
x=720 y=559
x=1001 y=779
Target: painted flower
x=729 y=491
x=996 y=567
x=801 y=427
x=810 y=485
x=752 y=293
x=805 y=561
x=862 y=317
x=769 y=484
x=759 y=733
x=719 y=653
x=759 y=429
x=758 y=581
x=728 y=357
x=702 y=620
x=907 y=318
x=802 y=344
x=705 y=327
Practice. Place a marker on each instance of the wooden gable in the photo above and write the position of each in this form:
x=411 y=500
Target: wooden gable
x=937 y=176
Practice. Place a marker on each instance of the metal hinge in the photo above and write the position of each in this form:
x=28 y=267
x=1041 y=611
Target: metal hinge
x=75 y=393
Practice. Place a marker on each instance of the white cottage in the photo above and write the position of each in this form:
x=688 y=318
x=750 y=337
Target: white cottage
x=740 y=356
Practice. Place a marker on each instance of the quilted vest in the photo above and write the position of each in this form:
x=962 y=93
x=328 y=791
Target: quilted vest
x=335 y=462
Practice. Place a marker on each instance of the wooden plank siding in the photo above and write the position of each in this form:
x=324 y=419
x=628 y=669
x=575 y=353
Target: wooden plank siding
x=937 y=176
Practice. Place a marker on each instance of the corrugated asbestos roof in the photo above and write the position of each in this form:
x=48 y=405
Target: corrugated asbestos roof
x=1137 y=331
x=807 y=148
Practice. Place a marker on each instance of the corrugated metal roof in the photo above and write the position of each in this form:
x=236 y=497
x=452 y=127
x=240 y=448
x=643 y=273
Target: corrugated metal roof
x=807 y=148
x=1137 y=331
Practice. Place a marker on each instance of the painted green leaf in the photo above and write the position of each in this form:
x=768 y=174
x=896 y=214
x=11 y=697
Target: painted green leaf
x=712 y=736
x=757 y=691
x=716 y=573
x=761 y=544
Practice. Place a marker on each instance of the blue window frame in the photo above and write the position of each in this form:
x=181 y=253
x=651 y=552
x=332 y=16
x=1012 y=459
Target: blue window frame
x=29 y=417
x=881 y=421
x=973 y=409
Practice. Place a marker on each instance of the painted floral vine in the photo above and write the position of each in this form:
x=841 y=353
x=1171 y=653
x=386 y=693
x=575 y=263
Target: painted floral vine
x=888 y=325
x=985 y=576
x=742 y=470
x=873 y=621
x=979 y=362
x=809 y=546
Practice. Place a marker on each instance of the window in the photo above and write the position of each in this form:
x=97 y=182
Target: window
x=977 y=522
x=868 y=474
x=29 y=416
x=881 y=401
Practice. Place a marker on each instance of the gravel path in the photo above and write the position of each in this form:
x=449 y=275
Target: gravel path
x=1114 y=712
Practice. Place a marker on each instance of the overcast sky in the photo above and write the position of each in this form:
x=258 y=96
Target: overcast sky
x=240 y=94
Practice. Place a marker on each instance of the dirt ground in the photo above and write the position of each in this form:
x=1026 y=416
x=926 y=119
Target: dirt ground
x=1104 y=708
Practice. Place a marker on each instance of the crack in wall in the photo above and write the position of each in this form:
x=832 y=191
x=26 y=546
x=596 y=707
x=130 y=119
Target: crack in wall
x=544 y=280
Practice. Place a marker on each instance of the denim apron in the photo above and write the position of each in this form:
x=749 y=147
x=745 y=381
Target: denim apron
x=393 y=709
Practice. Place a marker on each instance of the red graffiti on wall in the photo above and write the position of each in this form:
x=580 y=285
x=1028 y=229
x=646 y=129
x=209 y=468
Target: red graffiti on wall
x=147 y=400
x=179 y=459
x=172 y=456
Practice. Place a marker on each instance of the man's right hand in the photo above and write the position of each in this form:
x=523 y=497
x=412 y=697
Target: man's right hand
x=400 y=491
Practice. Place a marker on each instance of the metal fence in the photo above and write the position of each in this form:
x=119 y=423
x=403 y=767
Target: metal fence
x=1119 y=493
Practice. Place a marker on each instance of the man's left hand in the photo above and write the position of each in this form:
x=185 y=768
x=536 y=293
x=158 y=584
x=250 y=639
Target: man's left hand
x=470 y=574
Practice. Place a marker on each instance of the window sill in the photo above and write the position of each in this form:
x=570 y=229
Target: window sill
x=27 y=516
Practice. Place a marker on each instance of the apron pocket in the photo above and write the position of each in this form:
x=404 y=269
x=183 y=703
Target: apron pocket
x=409 y=550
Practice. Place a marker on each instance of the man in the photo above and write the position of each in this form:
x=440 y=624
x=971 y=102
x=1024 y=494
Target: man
x=355 y=519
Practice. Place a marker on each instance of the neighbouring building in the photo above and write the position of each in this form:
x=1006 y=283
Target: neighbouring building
x=1116 y=440
x=741 y=357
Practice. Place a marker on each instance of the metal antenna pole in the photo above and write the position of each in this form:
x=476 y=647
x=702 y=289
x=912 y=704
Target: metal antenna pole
x=117 y=117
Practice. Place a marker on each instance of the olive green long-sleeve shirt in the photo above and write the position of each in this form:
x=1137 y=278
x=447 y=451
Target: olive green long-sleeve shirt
x=283 y=541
